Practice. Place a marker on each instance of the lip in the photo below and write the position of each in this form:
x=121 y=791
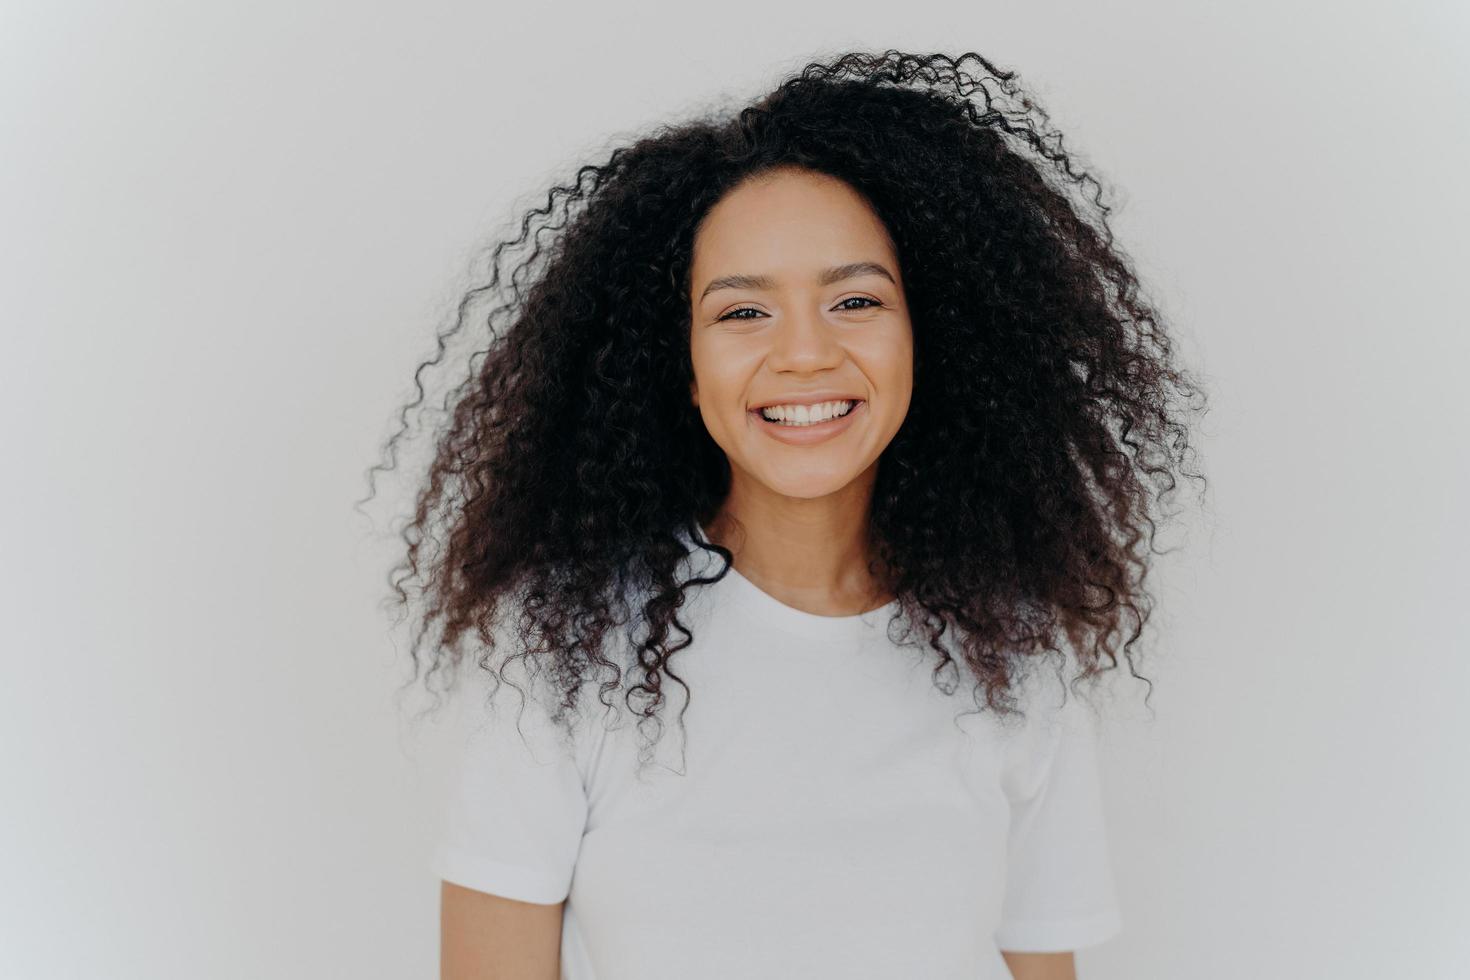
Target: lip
x=809 y=398
x=806 y=435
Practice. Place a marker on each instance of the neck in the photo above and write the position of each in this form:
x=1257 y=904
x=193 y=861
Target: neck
x=809 y=553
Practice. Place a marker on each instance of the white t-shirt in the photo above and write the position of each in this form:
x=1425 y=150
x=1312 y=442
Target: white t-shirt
x=831 y=813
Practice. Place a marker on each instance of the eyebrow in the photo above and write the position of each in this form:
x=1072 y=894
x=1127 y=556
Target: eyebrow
x=826 y=277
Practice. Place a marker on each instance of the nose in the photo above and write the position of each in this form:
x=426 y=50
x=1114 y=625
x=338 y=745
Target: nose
x=804 y=341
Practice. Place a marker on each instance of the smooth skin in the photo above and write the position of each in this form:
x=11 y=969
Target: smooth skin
x=488 y=937
x=796 y=516
x=796 y=288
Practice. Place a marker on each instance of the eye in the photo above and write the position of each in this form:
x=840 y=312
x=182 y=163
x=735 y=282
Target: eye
x=869 y=301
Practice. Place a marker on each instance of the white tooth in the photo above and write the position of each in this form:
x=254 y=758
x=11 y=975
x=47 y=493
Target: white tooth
x=807 y=414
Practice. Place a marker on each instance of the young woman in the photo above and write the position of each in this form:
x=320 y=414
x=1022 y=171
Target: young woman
x=796 y=427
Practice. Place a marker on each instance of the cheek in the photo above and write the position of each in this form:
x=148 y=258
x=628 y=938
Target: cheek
x=888 y=363
x=887 y=359
x=722 y=370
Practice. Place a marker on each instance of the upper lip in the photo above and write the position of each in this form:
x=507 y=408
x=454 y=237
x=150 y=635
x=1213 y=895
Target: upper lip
x=807 y=398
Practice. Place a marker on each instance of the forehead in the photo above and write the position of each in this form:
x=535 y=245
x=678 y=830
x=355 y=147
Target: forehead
x=786 y=224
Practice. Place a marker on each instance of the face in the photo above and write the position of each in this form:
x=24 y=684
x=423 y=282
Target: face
x=797 y=299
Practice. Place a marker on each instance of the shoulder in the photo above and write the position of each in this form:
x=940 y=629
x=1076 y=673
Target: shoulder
x=1057 y=712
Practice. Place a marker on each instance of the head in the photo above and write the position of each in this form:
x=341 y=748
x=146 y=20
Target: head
x=797 y=298
x=887 y=228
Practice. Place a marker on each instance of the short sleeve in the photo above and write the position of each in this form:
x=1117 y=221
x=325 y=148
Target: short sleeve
x=1060 y=892
x=513 y=821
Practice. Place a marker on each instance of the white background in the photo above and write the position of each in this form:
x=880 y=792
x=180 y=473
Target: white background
x=230 y=231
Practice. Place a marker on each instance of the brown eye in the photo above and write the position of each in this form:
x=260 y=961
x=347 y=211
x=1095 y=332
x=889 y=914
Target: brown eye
x=869 y=301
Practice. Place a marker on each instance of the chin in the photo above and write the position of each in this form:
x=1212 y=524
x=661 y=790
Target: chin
x=809 y=487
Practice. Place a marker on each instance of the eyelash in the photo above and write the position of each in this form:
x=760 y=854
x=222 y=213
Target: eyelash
x=730 y=314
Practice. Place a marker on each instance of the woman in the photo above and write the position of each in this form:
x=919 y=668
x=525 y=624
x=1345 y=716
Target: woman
x=823 y=413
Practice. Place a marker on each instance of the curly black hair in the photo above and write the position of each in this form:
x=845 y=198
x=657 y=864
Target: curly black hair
x=571 y=459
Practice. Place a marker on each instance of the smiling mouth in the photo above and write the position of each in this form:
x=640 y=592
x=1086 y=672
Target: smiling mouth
x=795 y=424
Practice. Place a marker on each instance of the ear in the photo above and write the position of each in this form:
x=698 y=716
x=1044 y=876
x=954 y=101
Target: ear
x=694 y=392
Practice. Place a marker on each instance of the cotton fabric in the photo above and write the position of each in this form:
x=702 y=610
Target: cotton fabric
x=830 y=813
